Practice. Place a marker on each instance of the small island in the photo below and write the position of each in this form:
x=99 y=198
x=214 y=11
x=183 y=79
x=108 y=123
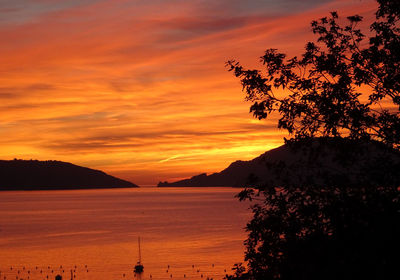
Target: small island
x=54 y=175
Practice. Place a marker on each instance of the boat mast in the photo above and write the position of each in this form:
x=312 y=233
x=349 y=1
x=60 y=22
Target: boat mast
x=140 y=256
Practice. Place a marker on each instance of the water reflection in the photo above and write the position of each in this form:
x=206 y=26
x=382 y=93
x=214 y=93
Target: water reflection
x=188 y=230
x=138 y=275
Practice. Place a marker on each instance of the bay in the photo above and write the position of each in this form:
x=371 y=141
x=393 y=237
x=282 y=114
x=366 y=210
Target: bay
x=186 y=233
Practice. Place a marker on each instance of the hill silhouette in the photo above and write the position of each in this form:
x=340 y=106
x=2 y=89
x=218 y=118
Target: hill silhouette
x=317 y=161
x=43 y=175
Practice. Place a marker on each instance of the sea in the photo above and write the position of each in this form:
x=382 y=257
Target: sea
x=185 y=233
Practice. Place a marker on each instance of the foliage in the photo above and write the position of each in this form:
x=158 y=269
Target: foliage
x=342 y=86
x=309 y=233
x=338 y=87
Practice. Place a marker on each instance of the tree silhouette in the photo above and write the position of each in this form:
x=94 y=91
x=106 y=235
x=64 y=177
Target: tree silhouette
x=341 y=87
x=337 y=87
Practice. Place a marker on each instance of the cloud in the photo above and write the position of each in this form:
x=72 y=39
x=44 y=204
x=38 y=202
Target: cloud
x=140 y=86
x=22 y=11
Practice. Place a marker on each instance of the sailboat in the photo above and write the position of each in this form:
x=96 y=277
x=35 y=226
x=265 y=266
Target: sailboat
x=139 y=266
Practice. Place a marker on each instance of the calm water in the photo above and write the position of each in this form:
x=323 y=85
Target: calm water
x=179 y=227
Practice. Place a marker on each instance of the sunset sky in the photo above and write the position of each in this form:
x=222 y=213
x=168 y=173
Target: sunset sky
x=139 y=88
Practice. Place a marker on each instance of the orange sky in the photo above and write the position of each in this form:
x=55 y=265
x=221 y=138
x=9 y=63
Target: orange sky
x=138 y=88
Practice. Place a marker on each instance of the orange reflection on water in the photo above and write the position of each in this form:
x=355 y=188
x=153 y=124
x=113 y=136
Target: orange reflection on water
x=196 y=232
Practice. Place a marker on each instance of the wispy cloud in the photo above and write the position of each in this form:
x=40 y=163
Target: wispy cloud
x=139 y=88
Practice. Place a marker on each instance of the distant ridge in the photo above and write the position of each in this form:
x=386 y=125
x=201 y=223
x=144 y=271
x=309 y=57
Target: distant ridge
x=315 y=161
x=48 y=175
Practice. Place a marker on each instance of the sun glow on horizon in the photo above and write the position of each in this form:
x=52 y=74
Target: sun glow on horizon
x=139 y=89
